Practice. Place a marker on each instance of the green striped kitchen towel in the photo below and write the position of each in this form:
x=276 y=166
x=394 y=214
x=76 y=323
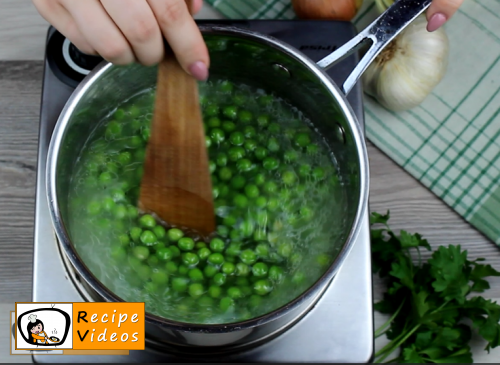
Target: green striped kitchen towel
x=451 y=142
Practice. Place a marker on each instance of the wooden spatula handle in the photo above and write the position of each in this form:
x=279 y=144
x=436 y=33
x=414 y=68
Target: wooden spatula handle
x=178 y=190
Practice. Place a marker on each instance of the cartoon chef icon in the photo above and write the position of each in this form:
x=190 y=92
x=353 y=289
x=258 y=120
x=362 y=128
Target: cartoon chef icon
x=35 y=331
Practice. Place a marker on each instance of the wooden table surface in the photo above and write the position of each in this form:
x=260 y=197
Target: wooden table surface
x=412 y=206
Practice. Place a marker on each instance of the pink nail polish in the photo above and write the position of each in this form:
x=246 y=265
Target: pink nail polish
x=199 y=71
x=436 y=21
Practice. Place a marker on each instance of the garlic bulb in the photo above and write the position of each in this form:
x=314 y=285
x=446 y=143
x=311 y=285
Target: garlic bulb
x=409 y=68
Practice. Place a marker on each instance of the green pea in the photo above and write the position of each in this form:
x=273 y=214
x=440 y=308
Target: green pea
x=289 y=177
x=233 y=249
x=119 y=114
x=234 y=292
x=302 y=139
x=214 y=122
x=216 y=259
x=270 y=163
x=171 y=267
x=180 y=284
x=147 y=221
x=238 y=182
x=175 y=234
x=228 y=126
x=212 y=166
x=306 y=213
x=135 y=142
x=242 y=269
x=323 y=259
x=146 y=134
x=252 y=191
x=237 y=138
x=226 y=86
x=219 y=279
x=108 y=204
x=249 y=131
x=144 y=272
x=135 y=233
x=183 y=270
x=248 y=257
x=221 y=159
x=260 y=269
x=235 y=235
x=164 y=254
x=124 y=240
x=260 y=153
x=229 y=220
x=250 y=145
x=255 y=301
x=118 y=253
x=262 y=287
x=259 y=179
x=263 y=120
x=262 y=250
x=124 y=158
x=212 y=110
x=148 y=238
x=285 y=249
x=228 y=268
x=206 y=302
x=196 y=274
x=298 y=278
x=318 y=173
x=230 y=112
x=141 y=252
x=260 y=235
x=215 y=192
x=270 y=187
x=245 y=116
x=208 y=141
x=215 y=291
x=239 y=99
x=273 y=145
x=265 y=100
x=225 y=173
x=159 y=231
x=312 y=149
x=175 y=251
x=226 y=304
x=217 y=245
x=190 y=259
x=235 y=153
x=210 y=271
x=217 y=135
x=159 y=278
x=240 y=201
x=276 y=273
x=223 y=190
x=113 y=129
x=244 y=165
x=132 y=212
x=274 y=128
x=246 y=290
x=120 y=211
x=223 y=231
x=203 y=253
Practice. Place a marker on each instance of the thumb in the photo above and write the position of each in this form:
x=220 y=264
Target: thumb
x=440 y=11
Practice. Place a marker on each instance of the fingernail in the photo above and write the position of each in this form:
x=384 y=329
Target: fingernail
x=436 y=21
x=199 y=71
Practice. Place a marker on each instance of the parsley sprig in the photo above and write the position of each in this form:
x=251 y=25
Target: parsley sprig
x=430 y=301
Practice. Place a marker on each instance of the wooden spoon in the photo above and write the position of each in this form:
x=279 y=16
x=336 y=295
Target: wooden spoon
x=176 y=184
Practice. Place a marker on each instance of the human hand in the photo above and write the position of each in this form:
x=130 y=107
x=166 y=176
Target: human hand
x=126 y=31
x=440 y=11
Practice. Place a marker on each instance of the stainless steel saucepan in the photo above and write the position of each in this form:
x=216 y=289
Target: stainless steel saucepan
x=257 y=60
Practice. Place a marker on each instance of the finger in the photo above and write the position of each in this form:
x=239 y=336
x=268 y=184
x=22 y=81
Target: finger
x=100 y=31
x=60 y=18
x=196 y=6
x=138 y=24
x=440 y=11
x=183 y=36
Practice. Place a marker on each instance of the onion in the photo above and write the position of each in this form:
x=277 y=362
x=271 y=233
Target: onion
x=327 y=9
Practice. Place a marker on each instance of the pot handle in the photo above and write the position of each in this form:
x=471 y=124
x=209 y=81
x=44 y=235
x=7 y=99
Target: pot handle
x=383 y=30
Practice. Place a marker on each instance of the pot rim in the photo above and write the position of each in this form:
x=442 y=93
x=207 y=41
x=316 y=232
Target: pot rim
x=324 y=280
